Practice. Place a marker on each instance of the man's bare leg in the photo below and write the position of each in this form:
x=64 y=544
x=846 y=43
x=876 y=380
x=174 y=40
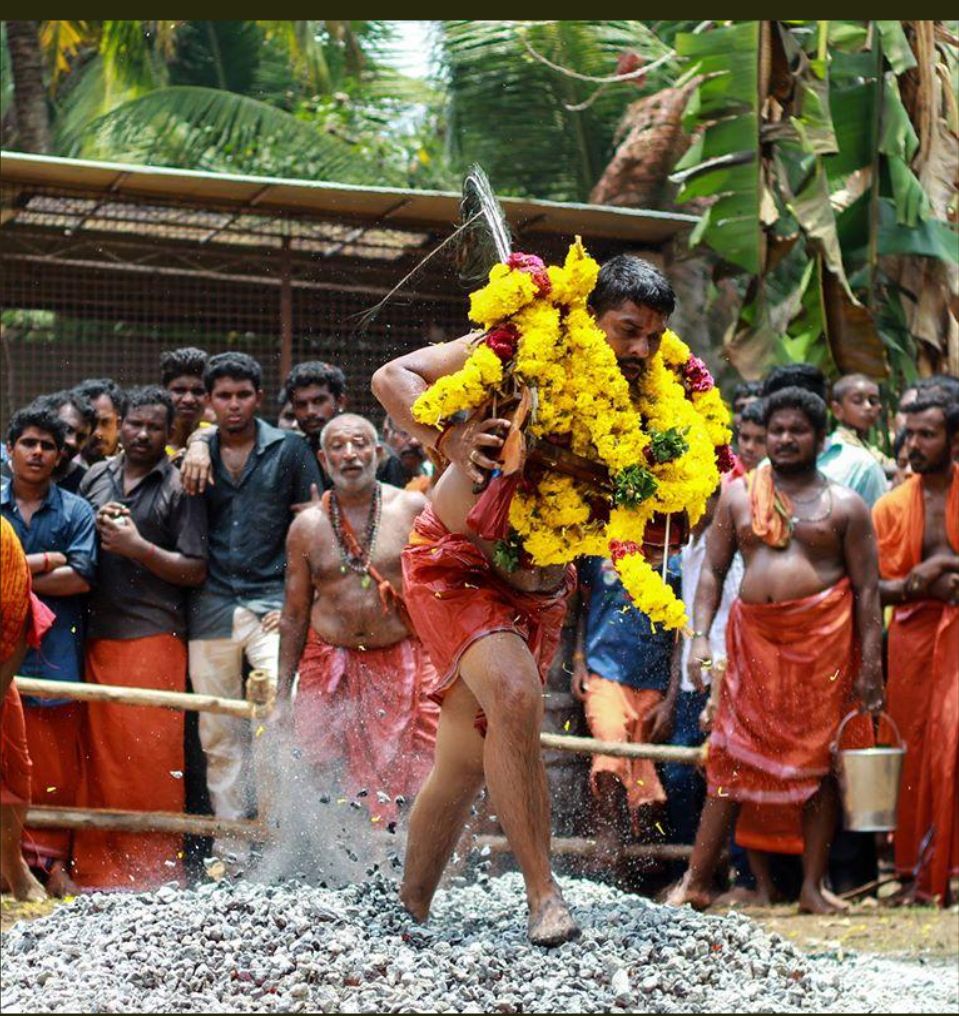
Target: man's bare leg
x=612 y=817
x=759 y=865
x=719 y=814
x=442 y=805
x=501 y=672
x=16 y=873
x=819 y=826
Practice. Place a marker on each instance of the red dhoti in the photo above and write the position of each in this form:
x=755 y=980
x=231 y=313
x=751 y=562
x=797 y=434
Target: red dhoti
x=788 y=684
x=455 y=598
x=133 y=761
x=53 y=740
x=923 y=692
x=368 y=713
x=15 y=764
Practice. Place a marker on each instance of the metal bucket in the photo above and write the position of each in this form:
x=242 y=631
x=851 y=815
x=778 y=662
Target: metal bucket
x=869 y=782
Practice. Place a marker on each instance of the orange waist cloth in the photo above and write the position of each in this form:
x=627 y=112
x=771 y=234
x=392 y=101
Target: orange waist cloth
x=15 y=764
x=923 y=700
x=617 y=712
x=455 y=598
x=134 y=761
x=53 y=740
x=923 y=689
x=788 y=684
x=368 y=713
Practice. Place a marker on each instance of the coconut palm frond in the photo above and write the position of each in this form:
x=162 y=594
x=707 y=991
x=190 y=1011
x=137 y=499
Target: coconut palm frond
x=193 y=126
x=515 y=122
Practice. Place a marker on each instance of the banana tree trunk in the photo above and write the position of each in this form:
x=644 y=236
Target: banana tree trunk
x=29 y=90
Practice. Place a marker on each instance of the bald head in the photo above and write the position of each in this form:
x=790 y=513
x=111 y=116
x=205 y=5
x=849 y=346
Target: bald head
x=345 y=424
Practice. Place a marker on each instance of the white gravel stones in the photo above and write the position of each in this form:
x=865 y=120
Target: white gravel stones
x=244 y=947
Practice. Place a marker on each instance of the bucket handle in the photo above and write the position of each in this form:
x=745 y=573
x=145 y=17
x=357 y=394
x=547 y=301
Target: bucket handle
x=857 y=712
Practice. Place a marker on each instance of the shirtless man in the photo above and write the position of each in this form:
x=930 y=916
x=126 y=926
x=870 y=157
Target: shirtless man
x=362 y=698
x=810 y=591
x=496 y=630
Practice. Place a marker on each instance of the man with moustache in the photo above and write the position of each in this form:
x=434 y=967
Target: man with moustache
x=362 y=700
x=152 y=550
x=809 y=596
x=491 y=634
x=917 y=526
x=259 y=474
x=106 y=398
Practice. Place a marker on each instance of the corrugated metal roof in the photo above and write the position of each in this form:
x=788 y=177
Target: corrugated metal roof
x=395 y=210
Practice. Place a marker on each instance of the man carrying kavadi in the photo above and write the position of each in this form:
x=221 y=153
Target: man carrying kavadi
x=583 y=421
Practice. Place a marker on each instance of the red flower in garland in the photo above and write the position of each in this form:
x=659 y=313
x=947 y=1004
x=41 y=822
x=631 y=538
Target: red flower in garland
x=696 y=375
x=725 y=460
x=618 y=549
x=503 y=340
x=534 y=266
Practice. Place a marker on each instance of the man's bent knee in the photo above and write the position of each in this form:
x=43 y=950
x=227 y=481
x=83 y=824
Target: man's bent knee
x=517 y=700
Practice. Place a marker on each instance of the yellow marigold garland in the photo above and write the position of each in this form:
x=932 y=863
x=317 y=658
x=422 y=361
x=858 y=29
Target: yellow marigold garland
x=546 y=331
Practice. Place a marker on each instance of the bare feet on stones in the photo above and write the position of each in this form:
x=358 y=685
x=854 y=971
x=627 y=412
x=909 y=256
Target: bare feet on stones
x=22 y=884
x=815 y=899
x=59 y=883
x=416 y=906
x=685 y=892
x=551 y=923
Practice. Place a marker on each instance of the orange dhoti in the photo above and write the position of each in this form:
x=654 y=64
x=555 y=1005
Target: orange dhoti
x=134 y=761
x=53 y=741
x=788 y=684
x=15 y=764
x=368 y=714
x=617 y=712
x=923 y=692
x=455 y=598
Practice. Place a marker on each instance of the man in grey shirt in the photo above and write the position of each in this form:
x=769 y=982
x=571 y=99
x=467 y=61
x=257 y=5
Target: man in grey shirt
x=259 y=474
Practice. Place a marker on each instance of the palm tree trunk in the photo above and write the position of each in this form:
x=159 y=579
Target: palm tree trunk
x=29 y=90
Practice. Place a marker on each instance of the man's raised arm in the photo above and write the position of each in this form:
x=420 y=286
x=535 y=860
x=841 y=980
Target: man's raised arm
x=399 y=383
x=472 y=444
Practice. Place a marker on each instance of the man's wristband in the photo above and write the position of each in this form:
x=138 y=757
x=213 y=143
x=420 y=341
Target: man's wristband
x=699 y=635
x=46 y=562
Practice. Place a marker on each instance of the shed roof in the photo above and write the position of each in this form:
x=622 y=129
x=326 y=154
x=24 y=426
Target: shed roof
x=220 y=208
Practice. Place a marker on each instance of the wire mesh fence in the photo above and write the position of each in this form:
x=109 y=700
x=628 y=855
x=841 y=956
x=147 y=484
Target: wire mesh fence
x=97 y=283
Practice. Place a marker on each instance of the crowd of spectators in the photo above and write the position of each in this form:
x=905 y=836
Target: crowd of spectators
x=154 y=523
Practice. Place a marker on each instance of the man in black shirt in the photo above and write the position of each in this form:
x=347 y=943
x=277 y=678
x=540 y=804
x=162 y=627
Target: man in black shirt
x=259 y=474
x=153 y=548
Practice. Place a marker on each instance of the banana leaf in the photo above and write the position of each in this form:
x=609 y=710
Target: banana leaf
x=931 y=238
x=895 y=46
x=726 y=162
